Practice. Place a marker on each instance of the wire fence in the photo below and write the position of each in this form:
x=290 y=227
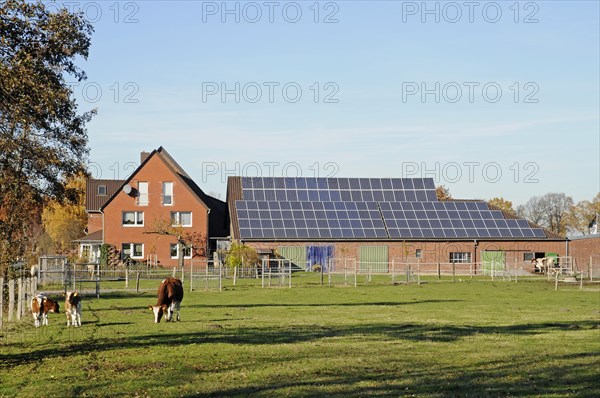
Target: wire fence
x=55 y=276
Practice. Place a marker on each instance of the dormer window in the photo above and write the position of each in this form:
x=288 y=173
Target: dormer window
x=101 y=190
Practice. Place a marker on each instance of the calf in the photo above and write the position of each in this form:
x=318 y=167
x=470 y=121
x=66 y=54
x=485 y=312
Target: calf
x=73 y=309
x=170 y=295
x=40 y=307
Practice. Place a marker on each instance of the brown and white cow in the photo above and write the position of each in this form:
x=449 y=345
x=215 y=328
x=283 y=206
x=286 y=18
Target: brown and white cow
x=40 y=307
x=544 y=265
x=170 y=294
x=73 y=309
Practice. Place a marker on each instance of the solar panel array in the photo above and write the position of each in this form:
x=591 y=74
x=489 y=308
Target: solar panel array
x=322 y=217
x=303 y=189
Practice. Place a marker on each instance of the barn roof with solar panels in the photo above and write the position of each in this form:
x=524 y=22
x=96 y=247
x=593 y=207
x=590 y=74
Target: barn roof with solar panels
x=326 y=209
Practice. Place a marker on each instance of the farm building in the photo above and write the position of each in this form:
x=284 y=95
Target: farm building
x=585 y=251
x=129 y=214
x=377 y=221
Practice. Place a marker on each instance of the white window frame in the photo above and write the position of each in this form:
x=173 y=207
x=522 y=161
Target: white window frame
x=418 y=253
x=176 y=247
x=460 y=257
x=136 y=219
x=143 y=197
x=105 y=190
x=131 y=250
x=176 y=219
x=165 y=194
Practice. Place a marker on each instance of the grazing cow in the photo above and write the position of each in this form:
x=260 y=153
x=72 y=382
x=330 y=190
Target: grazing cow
x=170 y=294
x=73 y=309
x=40 y=307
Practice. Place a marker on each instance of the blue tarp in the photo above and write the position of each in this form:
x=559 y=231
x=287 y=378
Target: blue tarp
x=319 y=255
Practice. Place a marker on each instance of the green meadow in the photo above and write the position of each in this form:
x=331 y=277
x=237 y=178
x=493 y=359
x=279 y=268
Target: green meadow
x=470 y=338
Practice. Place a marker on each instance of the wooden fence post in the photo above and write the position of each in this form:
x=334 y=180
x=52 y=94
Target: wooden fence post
x=439 y=271
x=453 y=272
x=11 y=299
x=137 y=282
x=126 y=277
x=20 y=299
x=1 y=302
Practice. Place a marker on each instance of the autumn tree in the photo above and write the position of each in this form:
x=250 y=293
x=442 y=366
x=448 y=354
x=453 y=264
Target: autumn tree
x=65 y=221
x=443 y=193
x=42 y=133
x=555 y=207
x=185 y=238
x=549 y=211
x=239 y=254
x=532 y=210
x=581 y=216
x=502 y=204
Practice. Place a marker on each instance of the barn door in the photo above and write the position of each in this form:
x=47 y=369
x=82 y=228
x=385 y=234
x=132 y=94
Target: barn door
x=495 y=260
x=296 y=254
x=374 y=259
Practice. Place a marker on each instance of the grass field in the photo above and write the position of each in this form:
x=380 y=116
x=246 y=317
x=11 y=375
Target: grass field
x=471 y=338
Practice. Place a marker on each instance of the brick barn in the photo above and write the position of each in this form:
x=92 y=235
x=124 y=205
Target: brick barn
x=377 y=221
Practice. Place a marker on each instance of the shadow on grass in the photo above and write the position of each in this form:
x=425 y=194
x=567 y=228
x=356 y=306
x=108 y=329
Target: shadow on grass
x=292 y=334
x=327 y=304
x=566 y=375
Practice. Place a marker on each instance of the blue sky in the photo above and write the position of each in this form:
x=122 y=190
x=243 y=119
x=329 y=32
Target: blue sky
x=397 y=93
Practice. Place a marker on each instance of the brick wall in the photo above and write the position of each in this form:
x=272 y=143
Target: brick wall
x=582 y=249
x=432 y=252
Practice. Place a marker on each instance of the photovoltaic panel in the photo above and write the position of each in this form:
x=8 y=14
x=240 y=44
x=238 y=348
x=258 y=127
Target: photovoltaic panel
x=365 y=208
x=338 y=189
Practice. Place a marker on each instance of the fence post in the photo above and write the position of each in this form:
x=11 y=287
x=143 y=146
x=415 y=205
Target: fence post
x=418 y=271
x=221 y=276
x=192 y=274
x=453 y=272
x=322 y=274
x=234 y=275
x=20 y=302
x=126 y=277
x=1 y=302
x=580 y=280
x=137 y=282
x=98 y=283
x=439 y=271
x=174 y=272
x=11 y=299
x=556 y=281
x=590 y=268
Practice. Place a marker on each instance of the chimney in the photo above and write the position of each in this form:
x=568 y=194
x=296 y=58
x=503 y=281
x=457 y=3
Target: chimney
x=143 y=156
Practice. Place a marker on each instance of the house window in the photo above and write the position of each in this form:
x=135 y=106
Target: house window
x=181 y=218
x=187 y=251
x=167 y=193
x=527 y=257
x=132 y=250
x=133 y=218
x=101 y=190
x=460 y=257
x=418 y=253
x=143 y=194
